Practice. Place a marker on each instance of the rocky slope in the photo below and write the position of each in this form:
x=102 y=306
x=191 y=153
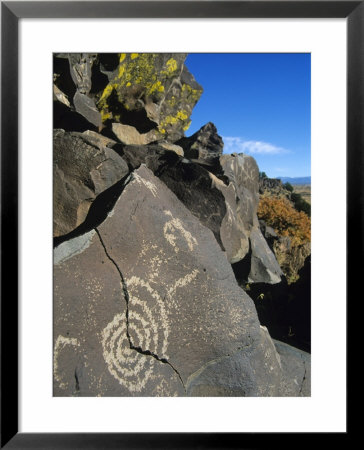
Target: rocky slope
x=152 y=230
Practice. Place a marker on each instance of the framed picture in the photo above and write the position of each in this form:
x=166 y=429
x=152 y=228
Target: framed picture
x=25 y=244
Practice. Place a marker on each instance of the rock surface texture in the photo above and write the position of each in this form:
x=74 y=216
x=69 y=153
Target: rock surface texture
x=150 y=231
x=205 y=145
x=83 y=167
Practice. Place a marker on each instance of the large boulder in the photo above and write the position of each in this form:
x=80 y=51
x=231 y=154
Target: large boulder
x=92 y=354
x=83 y=167
x=150 y=91
x=147 y=304
x=240 y=232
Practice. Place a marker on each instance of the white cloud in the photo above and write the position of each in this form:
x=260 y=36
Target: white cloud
x=239 y=145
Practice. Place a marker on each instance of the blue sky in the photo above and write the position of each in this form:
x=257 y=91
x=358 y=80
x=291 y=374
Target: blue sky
x=260 y=104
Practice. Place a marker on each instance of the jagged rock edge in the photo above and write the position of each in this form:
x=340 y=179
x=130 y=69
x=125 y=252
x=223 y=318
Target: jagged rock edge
x=304 y=376
x=86 y=227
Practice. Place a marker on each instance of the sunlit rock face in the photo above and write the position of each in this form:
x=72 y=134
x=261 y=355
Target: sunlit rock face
x=151 y=92
x=153 y=232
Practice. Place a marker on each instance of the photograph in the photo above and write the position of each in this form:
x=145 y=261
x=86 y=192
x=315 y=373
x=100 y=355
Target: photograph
x=181 y=224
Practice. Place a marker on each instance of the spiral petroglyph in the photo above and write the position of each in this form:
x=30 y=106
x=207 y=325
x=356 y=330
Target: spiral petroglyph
x=147 y=329
x=148 y=315
x=130 y=368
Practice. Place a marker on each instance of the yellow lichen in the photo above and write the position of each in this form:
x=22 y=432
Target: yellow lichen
x=190 y=93
x=187 y=126
x=171 y=65
x=106 y=93
x=170 y=120
x=140 y=70
x=121 y=71
x=157 y=86
x=105 y=115
x=182 y=115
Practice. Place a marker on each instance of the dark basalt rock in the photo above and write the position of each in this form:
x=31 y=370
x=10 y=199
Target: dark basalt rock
x=85 y=106
x=150 y=91
x=83 y=167
x=153 y=156
x=171 y=311
x=296 y=371
x=81 y=70
x=66 y=118
x=268 y=232
x=205 y=146
x=153 y=233
x=193 y=186
x=264 y=266
x=240 y=375
x=92 y=354
x=285 y=309
x=81 y=73
x=241 y=233
x=62 y=76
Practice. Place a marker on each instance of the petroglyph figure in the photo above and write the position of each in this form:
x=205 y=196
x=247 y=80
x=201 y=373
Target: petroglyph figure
x=148 y=325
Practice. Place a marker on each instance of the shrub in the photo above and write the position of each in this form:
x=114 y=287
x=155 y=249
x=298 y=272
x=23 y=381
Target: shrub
x=285 y=219
x=301 y=204
x=288 y=186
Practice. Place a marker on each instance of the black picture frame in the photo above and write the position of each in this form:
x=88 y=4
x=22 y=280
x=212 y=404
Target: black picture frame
x=11 y=12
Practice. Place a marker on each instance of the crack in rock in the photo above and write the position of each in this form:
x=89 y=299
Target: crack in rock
x=127 y=299
x=77 y=384
x=304 y=376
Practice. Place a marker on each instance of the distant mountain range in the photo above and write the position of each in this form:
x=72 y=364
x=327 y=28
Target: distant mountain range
x=296 y=180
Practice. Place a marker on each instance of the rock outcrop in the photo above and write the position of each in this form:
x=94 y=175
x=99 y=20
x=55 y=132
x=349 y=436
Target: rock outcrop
x=153 y=231
x=290 y=254
x=83 y=167
x=150 y=92
x=241 y=231
x=291 y=258
x=156 y=313
x=205 y=146
x=273 y=187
